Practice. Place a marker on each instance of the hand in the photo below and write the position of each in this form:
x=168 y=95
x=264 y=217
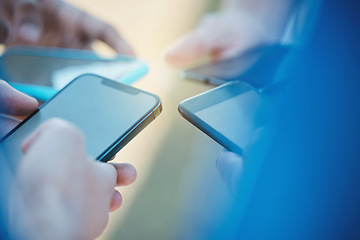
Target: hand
x=66 y=195
x=15 y=103
x=230 y=167
x=233 y=167
x=54 y=23
x=219 y=36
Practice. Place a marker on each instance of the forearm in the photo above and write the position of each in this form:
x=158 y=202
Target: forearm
x=273 y=15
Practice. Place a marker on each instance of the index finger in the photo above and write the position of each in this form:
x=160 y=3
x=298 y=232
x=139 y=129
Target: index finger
x=96 y=29
x=192 y=48
x=28 y=24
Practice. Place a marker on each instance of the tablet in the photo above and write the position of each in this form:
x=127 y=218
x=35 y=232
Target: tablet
x=41 y=72
x=230 y=114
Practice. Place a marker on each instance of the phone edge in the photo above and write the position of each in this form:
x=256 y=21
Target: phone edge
x=218 y=137
x=131 y=133
x=140 y=125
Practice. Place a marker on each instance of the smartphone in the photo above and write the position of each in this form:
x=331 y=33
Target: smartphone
x=229 y=114
x=109 y=114
x=257 y=66
x=42 y=71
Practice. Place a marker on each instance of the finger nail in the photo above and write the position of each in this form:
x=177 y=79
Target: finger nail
x=29 y=32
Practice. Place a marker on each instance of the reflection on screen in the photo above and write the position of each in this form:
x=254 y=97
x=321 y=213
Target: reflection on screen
x=101 y=112
x=237 y=117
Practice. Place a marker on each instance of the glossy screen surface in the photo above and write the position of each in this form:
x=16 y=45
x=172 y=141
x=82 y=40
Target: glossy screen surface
x=102 y=109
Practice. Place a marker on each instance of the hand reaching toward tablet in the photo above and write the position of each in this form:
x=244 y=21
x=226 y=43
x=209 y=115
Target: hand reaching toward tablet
x=54 y=23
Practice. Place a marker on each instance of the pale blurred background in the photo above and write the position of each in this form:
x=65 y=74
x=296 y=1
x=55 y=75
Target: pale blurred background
x=178 y=193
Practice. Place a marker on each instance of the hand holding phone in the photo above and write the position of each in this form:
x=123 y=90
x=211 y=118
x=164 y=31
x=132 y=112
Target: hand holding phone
x=44 y=174
x=55 y=164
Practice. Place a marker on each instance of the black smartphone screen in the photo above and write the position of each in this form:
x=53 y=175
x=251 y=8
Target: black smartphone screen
x=104 y=110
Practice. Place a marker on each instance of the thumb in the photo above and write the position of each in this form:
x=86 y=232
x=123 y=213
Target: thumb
x=27 y=20
x=14 y=102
